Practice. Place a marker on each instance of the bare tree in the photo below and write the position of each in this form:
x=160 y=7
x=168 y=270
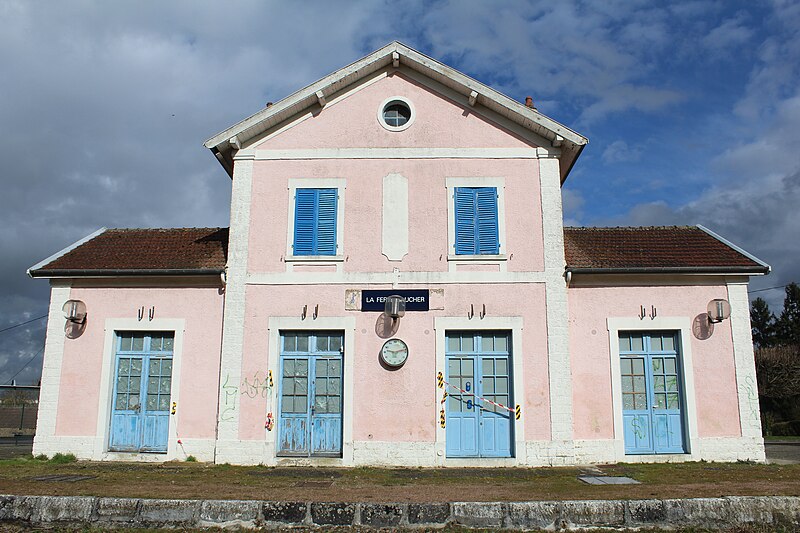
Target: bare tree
x=778 y=370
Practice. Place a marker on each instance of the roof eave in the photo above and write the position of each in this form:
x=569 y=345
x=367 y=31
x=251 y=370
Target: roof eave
x=737 y=248
x=124 y=272
x=718 y=270
x=226 y=142
x=38 y=266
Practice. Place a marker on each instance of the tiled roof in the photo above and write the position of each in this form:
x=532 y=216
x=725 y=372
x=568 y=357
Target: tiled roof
x=143 y=251
x=641 y=249
x=204 y=251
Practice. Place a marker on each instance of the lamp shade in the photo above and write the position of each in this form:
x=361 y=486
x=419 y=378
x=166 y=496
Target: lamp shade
x=74 y=311
x=719 y=310
x=395 y=306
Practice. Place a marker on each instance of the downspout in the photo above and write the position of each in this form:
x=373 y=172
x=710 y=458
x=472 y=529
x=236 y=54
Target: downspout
x=223 y=276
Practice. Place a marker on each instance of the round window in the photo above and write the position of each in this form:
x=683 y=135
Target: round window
x=396 y=114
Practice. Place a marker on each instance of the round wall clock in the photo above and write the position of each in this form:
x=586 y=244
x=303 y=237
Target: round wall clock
x=394 y=353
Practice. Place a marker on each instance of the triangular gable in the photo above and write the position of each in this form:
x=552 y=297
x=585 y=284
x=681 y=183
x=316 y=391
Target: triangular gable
x=225 y=144
x=351 y=121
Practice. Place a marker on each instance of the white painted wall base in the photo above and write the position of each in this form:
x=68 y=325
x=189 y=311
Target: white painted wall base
x=201 y=449
x=244 y=452
x=549 y=453
x=411 y=454
x=371 y=453
x=82 y=447
x=721 y=449
x=733 y=449
x=93 y=449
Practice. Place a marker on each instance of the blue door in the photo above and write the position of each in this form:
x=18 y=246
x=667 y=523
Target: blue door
x=479 y=365
x=142 y=386
x=652 y=393
x=310 y=413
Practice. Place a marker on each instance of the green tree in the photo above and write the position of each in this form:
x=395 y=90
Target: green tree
x=788 y=324
x=762 y=320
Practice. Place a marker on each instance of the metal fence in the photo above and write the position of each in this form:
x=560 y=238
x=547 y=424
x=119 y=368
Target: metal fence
x=18 y=408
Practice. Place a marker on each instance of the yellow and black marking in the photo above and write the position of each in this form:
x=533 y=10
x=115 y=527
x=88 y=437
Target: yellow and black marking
x=270 y=378
x=174 y=407
x=440 y=379
x=518 y=412
x=441 y=418
x=444 y=396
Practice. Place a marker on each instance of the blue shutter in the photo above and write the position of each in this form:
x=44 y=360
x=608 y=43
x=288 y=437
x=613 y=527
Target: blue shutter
x=476 y=221
x=465 y=221
x=326 y=222
x=304 y=221
x=486 y=215
x=315 y=222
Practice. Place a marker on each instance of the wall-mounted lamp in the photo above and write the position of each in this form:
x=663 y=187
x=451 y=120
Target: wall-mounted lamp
x=718 y=310
x=395 y=307
x=75 y=313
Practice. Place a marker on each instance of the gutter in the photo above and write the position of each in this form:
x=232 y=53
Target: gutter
x=63 y=252
x=669 y=270
x=108 y=273
x=737 y=248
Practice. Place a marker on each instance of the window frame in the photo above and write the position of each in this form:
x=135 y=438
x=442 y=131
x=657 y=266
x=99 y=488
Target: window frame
x=400 y=100
x=340 y=185
x=100 y=446
x=498 y=183
x=681 y=325
x=312 y=355
x=478 y=355
x=147 y=355
x=648 y=354
x=347 y=325
x=514 y=326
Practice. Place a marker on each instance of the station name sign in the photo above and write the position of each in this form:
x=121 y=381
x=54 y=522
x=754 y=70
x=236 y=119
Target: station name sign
x=416 y=299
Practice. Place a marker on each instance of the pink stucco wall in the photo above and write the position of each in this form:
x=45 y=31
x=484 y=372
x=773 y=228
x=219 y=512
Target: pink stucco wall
x=713 y=365
x=409 y=393
x=352 y=123
x=428 y=204
x=201 y=308
x=399 y=405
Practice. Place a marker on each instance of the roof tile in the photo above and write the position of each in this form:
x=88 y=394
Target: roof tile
x=200 y=249
x=657 y=248
x=681 y=248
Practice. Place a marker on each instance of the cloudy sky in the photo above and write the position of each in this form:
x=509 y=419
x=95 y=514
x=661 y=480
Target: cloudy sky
x=692 y=110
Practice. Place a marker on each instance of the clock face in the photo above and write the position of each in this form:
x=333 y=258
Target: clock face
x=394 y=353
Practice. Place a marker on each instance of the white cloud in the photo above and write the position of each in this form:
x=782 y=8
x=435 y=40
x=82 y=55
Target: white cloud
x=619 y=151
x=597 y=53
x=105 y=104
x=751 y=183
x=732 y=33
x=572 y=204
x=754 y=205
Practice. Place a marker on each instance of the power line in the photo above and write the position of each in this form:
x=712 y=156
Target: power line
x=769 y=288
x=26 y=365
x=23 y=323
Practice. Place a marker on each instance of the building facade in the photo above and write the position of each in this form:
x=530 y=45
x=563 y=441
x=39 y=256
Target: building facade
x=522 y=342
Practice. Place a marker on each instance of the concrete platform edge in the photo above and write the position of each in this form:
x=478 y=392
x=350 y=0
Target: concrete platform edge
x=728 y=511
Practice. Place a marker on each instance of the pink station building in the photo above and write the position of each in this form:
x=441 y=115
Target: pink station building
x=396 y=182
